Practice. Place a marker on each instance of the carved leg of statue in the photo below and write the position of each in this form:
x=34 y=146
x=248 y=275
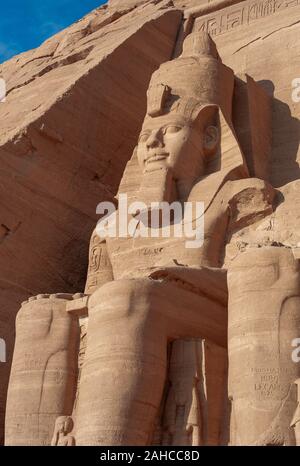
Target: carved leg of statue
x=264 y=318
x=44 y=369
x=195 y=409
x=182 y=418
x=123 y=376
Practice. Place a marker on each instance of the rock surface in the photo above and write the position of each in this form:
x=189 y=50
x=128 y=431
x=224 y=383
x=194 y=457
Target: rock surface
x=63 y=147
x=70 y=122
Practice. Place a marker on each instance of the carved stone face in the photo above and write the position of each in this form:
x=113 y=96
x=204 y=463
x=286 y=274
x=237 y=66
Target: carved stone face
x=172 y=142
x=64 y=425
x=60 y=427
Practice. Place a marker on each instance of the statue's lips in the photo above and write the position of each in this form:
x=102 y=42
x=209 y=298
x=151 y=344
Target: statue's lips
x=156 y=158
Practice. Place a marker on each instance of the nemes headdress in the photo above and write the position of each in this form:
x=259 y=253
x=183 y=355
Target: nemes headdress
x=195 y=79
x=187 y=86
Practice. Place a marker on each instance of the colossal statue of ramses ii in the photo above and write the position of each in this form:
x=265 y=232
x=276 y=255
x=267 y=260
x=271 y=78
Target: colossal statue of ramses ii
x=173 y=345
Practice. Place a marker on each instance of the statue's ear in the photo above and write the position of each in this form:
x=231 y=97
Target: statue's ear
x=209 y=124
x=211 y=139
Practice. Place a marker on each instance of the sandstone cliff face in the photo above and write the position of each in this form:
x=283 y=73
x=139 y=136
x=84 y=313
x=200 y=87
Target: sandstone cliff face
x=263 y=42
x=73 y=113
x=120 y=4
x=67 y=129
x=123 y=4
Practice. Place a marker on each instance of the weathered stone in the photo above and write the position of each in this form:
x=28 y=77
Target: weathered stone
x=176 y=344
x=63 y=104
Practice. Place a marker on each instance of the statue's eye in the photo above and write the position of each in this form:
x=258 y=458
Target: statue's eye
x=172 y=129
x=144 y=136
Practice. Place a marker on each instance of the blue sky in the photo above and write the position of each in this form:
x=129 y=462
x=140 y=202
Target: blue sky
x=25 y=24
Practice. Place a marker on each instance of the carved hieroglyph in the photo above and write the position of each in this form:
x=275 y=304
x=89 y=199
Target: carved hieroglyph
x=264 y=318
x=178 y=351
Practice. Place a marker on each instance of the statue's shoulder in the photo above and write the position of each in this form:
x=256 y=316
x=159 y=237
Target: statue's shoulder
x=261 y=216
x=246 y=192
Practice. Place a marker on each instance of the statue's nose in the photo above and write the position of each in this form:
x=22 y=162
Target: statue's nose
x=154 y=140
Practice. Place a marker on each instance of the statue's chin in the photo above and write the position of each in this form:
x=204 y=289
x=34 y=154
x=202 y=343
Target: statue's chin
x=155 y=165
x=157 y=185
